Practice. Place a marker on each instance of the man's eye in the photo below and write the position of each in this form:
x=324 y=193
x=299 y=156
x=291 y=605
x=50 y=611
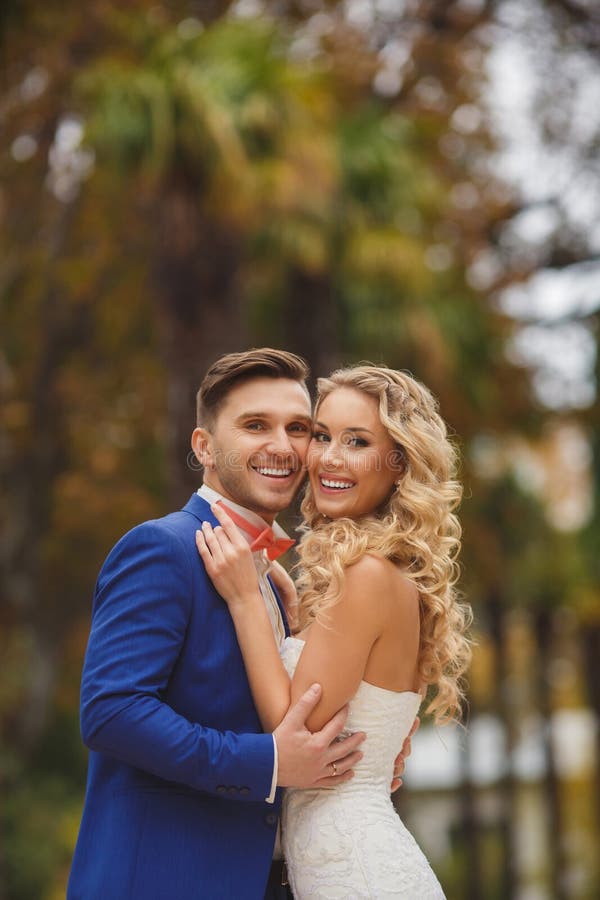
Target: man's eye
x=299 y=428
x=254 y=426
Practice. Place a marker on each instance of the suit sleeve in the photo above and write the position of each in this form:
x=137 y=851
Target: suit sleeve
x=141 y=611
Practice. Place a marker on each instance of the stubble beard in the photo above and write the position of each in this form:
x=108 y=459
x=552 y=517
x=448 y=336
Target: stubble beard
x=241 y=492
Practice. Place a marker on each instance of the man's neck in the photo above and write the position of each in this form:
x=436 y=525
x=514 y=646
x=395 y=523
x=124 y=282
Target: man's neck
x=268 y=517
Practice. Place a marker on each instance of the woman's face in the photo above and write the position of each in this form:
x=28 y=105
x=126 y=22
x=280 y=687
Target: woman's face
x=352 y=461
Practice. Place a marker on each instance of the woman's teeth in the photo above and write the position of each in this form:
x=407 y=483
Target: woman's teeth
x=336 y=485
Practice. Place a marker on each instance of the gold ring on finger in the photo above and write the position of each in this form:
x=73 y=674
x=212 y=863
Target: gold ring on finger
x=333 y=769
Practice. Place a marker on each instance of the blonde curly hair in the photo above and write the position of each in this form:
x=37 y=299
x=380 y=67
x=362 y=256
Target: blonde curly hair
x=415 y=527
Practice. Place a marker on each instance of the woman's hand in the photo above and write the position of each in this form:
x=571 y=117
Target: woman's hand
x=287 y=591
x=228 y=559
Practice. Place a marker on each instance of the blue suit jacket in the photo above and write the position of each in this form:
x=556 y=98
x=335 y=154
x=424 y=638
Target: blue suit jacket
x=179 y=767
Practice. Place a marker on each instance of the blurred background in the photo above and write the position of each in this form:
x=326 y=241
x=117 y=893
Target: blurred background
x=407 y=181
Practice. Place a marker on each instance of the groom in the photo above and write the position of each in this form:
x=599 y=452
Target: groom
x=182 y=799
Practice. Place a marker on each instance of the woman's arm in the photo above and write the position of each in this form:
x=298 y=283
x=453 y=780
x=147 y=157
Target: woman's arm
x=339 y=644
x=337 y=648
x=229 y=564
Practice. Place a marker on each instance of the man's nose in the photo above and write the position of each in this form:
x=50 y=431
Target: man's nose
x=281 y=443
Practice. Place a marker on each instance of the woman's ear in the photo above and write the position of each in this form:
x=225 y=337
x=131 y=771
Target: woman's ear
x=202 y=447
x=398 y=463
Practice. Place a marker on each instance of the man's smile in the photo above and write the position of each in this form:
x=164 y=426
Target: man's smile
x=279 y=472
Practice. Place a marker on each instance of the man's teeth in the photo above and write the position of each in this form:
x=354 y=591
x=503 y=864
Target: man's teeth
x=336 y=484
x=282 y=473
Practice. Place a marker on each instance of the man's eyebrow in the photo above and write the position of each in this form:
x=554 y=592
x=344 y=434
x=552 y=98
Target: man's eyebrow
x=304 y=417
x=353 y=429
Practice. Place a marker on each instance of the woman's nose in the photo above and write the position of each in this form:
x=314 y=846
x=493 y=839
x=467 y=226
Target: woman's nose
x=331 y=456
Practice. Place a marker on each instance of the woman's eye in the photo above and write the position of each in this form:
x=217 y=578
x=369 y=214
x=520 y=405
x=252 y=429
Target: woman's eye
x=356 y=442
x=320 y=437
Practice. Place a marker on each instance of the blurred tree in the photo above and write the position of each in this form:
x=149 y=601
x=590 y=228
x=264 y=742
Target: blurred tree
x=589 y=594
x=80 y=434
x=339 y=220
x=179 y=181
x=522 y=563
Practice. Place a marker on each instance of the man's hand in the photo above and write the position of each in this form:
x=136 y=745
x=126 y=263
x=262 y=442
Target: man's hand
x=400 y=760
x=314 y=760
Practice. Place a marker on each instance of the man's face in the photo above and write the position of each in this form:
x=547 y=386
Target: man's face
x=256 y=450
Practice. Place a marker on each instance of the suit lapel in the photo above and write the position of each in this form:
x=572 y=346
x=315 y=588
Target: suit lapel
x=281 y=607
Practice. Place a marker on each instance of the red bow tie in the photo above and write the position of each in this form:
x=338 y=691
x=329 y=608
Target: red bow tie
x=262 y=539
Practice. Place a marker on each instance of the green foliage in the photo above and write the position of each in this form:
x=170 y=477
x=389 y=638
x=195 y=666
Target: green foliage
x=511 y=545
x=39 y=821
x=239 y=195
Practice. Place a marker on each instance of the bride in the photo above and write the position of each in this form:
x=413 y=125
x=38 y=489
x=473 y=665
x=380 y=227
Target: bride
x=379 y=621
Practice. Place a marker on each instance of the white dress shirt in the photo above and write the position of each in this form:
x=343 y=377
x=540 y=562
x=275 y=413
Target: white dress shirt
x=262 y=563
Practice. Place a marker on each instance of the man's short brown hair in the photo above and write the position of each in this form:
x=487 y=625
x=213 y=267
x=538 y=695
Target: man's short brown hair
x=235 y=368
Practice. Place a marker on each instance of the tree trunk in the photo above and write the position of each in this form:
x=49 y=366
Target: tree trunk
x=200 y=317
x=507 y=786
x=554 y=816
x=310 y=322
x=32 y=468
x=590 y=639
x=473 y=887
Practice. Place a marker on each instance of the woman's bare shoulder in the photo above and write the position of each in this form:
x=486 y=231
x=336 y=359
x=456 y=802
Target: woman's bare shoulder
x=382 y=570
x=377 y=576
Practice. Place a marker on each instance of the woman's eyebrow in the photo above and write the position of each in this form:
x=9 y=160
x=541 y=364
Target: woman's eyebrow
x=353 y=429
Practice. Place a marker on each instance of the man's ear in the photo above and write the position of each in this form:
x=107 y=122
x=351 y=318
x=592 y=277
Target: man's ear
x=203 y=448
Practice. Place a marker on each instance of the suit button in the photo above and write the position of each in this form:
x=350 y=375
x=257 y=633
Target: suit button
x=232 y=789
x=221 y=789
x=245 y=791
x=271 y=819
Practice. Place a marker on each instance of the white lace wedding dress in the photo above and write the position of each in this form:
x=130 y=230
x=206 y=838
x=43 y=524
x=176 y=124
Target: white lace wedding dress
x=348 y=842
